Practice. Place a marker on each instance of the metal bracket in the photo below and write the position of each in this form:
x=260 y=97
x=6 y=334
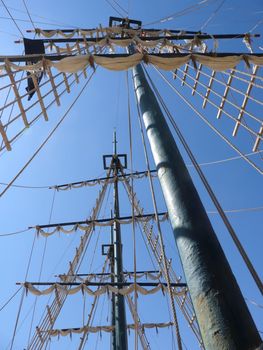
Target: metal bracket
x=124 y=22
x=109 y=250
x=118 y=157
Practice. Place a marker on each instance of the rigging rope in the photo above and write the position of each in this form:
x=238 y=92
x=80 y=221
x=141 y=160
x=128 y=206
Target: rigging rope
x=123 y=9
x=229 y=115
x=40 y=101
x=212 y=15
x=227 y=159
x=28 y=21
x=41 y=265
x=17 y=319
x=240 y=210
x=48 y=137
x=19 y=134
x=60 y=298
x=100 y=228
x=23 y=293
x=219 y=95
x=188 y=165
x=14 y=233
x=84 y=338
x=132 y=208
x=100 y=320
x=254 y=303
x=42 y=17
x=12 y=18
x=184 y=302
x=224 y=83
x=183 y=12
x=12 y=108
x=210 y=192
x=30 y=18
x=114 y=8
x=8 y=301
x=209 y=124
x=256 y=25
x=244 y=121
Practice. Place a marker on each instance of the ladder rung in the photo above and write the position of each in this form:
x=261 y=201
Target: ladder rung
x=222 y=103
x=209 y=88
x=4 y=136
x=242 y=109
x=76 y=75
x=53 y=85
x=79 y=50
x=64 y=74
x=40 y=99
x=197 y=78
x=186 y=67
x=18 y=98
x=258 y=139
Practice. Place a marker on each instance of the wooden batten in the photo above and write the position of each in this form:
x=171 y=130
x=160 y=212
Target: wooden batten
x=94 y=46
x=4 y=137
x=18 y=97
x=76 y=75
x=50 y=317
x=64 y=74
x=86 y=45
x=199 y=69
x=54 y=88
x=245 y=100
x=258 y=139
x=186 y=67
x=39 y=96
x=79 y=50
x=209 y=88
x=57 y=297
x=222 y=103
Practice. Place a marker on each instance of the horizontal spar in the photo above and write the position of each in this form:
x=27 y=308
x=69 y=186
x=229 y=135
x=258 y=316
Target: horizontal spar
x=116 y=284
x=99 y=329
x=95 y=29
x=122 y=289
x=37 y=57
x=101 y=179
x=149 y=38
x=72 y=223
x=109 y=273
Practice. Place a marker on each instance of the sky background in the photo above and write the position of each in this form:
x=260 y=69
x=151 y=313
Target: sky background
x=75 y=153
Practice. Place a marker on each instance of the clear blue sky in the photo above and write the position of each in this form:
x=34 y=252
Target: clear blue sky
x=75 y=153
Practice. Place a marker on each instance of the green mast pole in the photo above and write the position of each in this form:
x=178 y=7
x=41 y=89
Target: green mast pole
x=120 y=331
x=224 y=320
x=113 y=334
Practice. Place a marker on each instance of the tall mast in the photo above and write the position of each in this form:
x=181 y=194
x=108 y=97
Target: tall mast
x=222 y=314
x=119 y=341
x=111 y=254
